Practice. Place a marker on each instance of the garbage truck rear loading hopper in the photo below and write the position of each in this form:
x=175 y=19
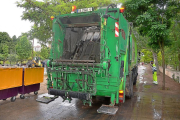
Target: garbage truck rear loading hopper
x=92 y=54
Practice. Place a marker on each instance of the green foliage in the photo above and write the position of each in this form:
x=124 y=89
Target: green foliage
x=147 y=56
x=7 y=45
x=142 y=41
x=12 y=58
x=44 y=53
x=36 y=53
x=23 y=48
x=4 y=52
x=12 y=47
x=175 y=34
x=5 y=40
x=153 y=18
x=39 y=12
x=1 y=57
x=173 y=51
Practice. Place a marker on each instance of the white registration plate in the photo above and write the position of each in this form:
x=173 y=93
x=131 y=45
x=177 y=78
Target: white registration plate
x=84 y=10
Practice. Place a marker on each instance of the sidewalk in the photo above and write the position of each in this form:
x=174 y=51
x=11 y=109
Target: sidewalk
x=170 y=84
x=171 y=73
x=152 y=101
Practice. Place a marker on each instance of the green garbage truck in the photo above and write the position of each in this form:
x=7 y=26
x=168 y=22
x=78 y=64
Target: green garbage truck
x=92 y=54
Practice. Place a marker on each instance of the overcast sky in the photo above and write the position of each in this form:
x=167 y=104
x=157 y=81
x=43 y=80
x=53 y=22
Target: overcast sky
x=10 y=20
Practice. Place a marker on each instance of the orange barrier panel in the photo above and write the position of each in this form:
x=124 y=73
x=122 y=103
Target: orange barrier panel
x=10 y=77
x=33 y=75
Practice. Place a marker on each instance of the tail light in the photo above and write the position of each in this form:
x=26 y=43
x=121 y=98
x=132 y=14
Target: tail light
x=52 y=17
x=73 y=8
x=121 y=96
x=121 y=10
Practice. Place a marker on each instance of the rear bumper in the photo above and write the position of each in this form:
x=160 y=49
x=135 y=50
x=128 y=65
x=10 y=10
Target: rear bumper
x=70 y=94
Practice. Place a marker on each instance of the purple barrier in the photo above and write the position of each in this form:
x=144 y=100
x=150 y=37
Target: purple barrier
x=11 y=92
x=30 y=88
x=27 y=89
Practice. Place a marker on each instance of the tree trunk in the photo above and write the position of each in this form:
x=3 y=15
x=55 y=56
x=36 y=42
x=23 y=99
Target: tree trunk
x=32 y=49
x=156 y=61
x=163 y=65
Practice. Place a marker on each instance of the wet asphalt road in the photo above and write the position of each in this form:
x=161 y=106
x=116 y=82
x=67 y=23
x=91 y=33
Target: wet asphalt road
x=148 y=103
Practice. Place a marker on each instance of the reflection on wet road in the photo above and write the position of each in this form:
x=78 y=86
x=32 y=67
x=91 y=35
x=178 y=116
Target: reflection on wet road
x=141 y=71
x=148 y=103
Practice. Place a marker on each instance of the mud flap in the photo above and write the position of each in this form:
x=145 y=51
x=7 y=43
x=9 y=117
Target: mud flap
x=107 y=109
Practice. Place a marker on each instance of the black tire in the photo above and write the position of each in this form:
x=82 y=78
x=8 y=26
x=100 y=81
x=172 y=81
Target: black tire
x=129 y=85
x=4 y=99
x=22 y=96
x=13 y=99
x=36 y=92
x=135 y=80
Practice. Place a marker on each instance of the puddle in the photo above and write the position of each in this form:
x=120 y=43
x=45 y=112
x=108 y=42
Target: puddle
x=67 y=104
x=46 y=94
x=141 y=71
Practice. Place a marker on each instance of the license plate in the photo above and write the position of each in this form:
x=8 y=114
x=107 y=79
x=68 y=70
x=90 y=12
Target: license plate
x=84 y=10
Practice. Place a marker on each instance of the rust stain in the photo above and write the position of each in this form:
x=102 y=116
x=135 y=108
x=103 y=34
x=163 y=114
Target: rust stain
x=60 y=41
x=123 y=34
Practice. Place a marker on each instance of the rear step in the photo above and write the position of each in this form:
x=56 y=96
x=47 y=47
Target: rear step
x=107 y=109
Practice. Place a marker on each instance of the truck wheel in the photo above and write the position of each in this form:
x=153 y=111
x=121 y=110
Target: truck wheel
x=36 y=92
x=129 y=86
x=22 y=96
x=135 y=79
x=13 y=99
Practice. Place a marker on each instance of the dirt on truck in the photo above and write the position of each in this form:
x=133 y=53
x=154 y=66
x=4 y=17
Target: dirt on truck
x=93 y=54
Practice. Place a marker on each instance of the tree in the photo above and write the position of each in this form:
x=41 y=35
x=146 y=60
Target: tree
x=147 y=56
x=44 y=53
x=1 y=57
x=175 y=37
x=4 y=53
x=23 y=48
x=4 y=40
x=153 y=19
x=40 y=12
x=12 y=45
x=12 y=58
x=142 y=43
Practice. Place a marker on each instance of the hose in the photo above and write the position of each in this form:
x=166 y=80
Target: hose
x=111 y=5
